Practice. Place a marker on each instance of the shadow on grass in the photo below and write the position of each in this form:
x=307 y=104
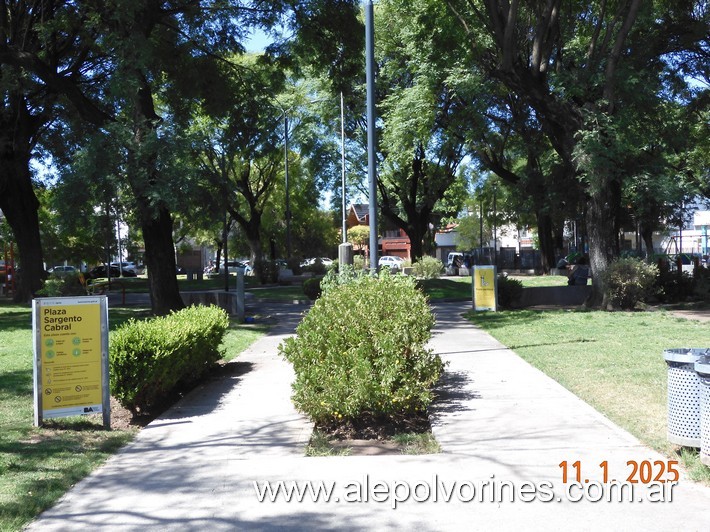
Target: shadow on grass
x=54 y=449
x=117 y=316
x=15 y=320
x=16 y=383
x=445 y=289
x=507 y=318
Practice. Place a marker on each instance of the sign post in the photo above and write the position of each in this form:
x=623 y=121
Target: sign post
x=485 y=289
x=70 y=339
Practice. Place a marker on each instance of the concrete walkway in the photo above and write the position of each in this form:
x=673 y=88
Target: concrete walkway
x=502 y=424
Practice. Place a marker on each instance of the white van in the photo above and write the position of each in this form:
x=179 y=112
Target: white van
x=452 y=257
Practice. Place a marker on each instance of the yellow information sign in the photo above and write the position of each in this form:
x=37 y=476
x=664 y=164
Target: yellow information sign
x=71 y=370
x=484 y=288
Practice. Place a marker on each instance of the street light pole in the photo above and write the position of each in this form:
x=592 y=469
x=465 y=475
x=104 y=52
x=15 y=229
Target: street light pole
x=342 y=166
x=480 y=220
x=288 y=204
x=495 y=227
x=371 y=140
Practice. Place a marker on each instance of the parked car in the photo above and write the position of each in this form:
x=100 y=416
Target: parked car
x=128 y=265
x=325 y=261
x=395 y=264
x=101 y=271
x=59 y=269
x=62 y=269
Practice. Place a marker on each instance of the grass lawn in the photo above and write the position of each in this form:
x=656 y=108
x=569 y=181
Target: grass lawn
x=614 y=361
x=285 y=293
x=38 y=465
x=530 y=281
x=460 y=287
x=442 y=288
x=447 y=288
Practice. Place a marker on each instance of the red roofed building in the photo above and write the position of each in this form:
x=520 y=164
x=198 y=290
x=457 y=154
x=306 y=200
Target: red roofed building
x=394 y=241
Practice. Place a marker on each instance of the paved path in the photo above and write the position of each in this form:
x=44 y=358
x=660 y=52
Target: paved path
x=697 y=314
x=501 y=424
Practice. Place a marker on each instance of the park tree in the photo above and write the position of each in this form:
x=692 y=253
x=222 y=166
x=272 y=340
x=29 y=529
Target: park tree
x=586 y=71
x=238 y=146
x=422 y=142
x=45 y=49
x=359 y=236
x=107 y=63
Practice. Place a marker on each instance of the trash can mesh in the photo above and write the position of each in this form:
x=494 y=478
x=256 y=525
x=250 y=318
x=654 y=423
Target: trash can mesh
x=683 y=406
x=705 y=424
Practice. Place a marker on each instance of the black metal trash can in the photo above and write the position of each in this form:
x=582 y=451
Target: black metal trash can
x=684 y=395
x=702 y=368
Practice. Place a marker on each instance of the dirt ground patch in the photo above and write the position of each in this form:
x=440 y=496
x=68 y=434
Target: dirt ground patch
x=372 y=436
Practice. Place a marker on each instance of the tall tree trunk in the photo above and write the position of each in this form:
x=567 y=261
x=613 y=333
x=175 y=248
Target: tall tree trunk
x=155 y=217
x=160 y=260
x=647 y=237
x=20 y=206
x=252 y=232
x=547 y=241
x=415 y=226
x=416 y=241
x=602 y=212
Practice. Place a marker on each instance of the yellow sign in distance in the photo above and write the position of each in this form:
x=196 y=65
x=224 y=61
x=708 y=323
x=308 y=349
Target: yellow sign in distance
x=70 y=350
x=484 y=288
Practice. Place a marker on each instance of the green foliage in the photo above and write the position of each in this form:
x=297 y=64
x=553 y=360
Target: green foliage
x=359 y=262
x=150 y=359
x=359 y=236
x=317 y=268
x=62 y=284
x=267 y=271
x=673 y=287
x=509 y=291
x=294 y=265
x=701 y=281
x=311 y=287
x=629 y=281
x=428 y=267
x=361 y=351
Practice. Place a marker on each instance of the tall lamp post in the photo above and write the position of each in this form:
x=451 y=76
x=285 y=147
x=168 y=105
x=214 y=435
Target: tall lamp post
x=342 y=167
x=480 y=223
x=495 y=227
x=371 y=140
x=288 y=204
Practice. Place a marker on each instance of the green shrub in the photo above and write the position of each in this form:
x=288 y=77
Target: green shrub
x=267 y=271
x=359 y=262
x=361 y=352
x=701 y=282
x=317 y=268
x=674 y=287
x=294 y=265
x=150 y=359
x=629 y=281
x=62 y=284
x=428 y=268
x=509 y=291
x=311 y=287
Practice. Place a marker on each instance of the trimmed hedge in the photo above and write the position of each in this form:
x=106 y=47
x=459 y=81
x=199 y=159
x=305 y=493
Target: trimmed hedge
x=311 y=287
x=630 y=281
x=62 y=284
x=150 y=359
x=428 y=268
x=360 y=351
x=509 y=291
